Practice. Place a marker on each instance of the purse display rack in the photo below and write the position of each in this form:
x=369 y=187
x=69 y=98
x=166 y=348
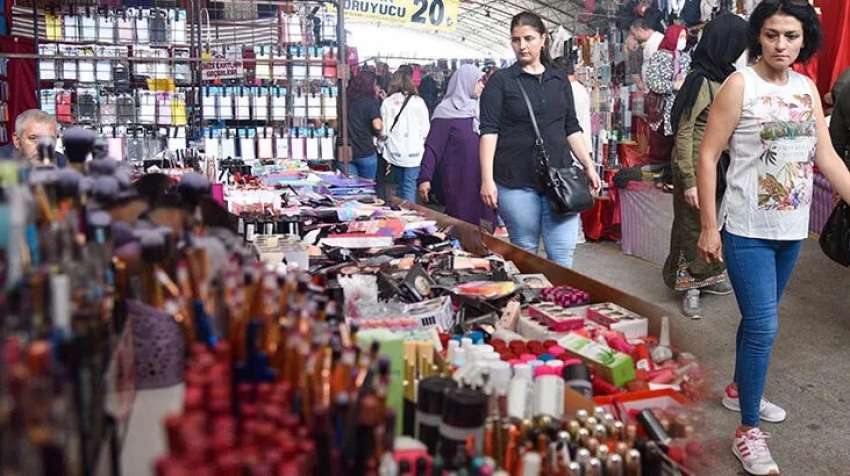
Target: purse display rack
x=248 y=73
x=123 y=71
x=279 y=99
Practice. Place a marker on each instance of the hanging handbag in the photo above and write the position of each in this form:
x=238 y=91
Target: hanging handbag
x=566 y=188
x=835 y=236
x=653 y=107
x=724 y=161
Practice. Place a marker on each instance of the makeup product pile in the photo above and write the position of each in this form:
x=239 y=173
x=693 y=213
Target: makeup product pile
x=365 y=341
x=445 y=317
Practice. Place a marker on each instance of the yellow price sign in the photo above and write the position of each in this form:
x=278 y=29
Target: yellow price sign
x=423 y=14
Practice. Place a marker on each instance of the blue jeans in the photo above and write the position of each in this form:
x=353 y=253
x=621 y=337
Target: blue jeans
x=405 y=182
x=759 y=270
x=526 y=214
x=364 y=167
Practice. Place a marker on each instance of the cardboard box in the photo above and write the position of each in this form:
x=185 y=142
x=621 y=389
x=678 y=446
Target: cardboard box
x=617 y=318
x=434 y=312
x=615 y=367
x=555 y=317
x=637 y=401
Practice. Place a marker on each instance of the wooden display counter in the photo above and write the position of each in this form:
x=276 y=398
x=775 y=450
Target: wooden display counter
x=476 y=241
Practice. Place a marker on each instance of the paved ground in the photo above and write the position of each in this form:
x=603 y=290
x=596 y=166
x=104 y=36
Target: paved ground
x=810 y=366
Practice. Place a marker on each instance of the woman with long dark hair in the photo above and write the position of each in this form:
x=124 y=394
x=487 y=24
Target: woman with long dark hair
x=723 y=41
x=771 y=119
x=509 y=181
x=364 y=125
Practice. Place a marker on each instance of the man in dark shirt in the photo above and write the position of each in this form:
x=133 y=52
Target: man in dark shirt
x=30 y=126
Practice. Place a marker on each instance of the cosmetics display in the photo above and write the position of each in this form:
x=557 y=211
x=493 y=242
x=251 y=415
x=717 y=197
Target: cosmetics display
x=364 y=340
x=96 y=302
x=466 y=367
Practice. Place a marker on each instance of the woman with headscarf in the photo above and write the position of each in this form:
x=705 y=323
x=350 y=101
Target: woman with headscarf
x=665 y=74
x=451 y=150
x=723 y=41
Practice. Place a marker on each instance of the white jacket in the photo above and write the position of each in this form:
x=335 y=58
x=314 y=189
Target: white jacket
x=405 y=144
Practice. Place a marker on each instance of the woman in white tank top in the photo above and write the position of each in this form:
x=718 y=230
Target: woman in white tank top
x=772 y=121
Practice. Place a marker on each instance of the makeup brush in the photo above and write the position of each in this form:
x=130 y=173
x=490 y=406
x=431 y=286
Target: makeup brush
x=192 y=187
x=124 y=177
x=106 y=189
x=78 y=143
x=103 y=166
x=98 y=224
x=46 y=150
x=68 y=184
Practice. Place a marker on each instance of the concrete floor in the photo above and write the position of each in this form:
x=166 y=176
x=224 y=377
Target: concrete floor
x=809 y=369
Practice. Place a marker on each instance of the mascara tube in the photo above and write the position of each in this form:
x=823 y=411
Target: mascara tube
x=430 y=402
x=464 y=414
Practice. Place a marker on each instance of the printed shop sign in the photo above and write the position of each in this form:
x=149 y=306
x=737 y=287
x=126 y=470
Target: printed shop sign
x=424 y=14
x=221 y=67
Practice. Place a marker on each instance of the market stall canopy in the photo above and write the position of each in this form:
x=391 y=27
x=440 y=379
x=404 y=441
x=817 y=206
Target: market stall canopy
x=479 y=25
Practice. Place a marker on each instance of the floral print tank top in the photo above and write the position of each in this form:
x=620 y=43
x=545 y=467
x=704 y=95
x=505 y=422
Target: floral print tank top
x=773 y=148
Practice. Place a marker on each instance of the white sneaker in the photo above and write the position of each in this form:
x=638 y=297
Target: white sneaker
x=751 y=450
x=769 y=412
x=581 y=238
x=690 y=304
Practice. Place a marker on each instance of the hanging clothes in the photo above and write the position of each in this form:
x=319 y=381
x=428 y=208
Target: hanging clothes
x=20 y=76
x=428 y=92
x=835 y=56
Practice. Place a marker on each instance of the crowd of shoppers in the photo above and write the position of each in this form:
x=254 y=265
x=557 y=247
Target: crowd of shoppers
x=766 y=120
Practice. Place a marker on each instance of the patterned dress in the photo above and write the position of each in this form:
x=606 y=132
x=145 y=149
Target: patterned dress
x=663 y=70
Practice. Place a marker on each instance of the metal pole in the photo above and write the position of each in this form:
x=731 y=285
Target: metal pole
x=342 y=75
x=35 y=42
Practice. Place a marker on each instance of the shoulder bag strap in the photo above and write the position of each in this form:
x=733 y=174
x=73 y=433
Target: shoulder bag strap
x=403 y=105
x=544 y=158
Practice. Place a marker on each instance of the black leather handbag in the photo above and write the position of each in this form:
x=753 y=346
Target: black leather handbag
x=566 y=188
x=835 y=237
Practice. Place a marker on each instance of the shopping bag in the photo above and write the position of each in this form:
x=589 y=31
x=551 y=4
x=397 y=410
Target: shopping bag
x=835 y=236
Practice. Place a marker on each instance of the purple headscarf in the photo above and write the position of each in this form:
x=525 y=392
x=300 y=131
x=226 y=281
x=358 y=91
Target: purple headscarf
x=460 y=101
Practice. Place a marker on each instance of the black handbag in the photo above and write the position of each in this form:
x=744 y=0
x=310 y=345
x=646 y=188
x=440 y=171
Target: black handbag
x=835 y=236
x=723 y=163
x=722 y=170
x=566 y=188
